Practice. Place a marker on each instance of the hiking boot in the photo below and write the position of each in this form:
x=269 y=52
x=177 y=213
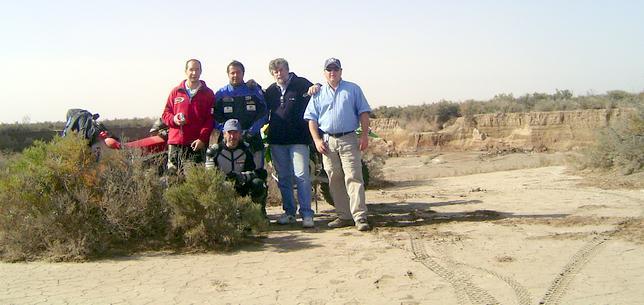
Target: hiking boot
x=307 y=222
x=362 y=225
x=286 y=219
x=340 y=223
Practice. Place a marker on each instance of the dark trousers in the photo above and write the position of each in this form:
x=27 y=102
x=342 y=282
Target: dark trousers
x=179 y=154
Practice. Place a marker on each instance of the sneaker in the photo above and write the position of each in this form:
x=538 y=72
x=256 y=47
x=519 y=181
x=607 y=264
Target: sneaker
x=362 y=225
x=340 y=223
x=307 y=222
x=286 y=219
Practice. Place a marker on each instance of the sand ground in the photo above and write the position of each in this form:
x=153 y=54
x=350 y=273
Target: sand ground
x=522 y=236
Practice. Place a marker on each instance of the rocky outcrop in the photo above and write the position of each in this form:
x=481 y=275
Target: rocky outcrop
x=558 y=130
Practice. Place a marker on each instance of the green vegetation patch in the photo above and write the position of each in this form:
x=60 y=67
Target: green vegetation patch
x=58 y=202
x=620 y=148
x=207 y=213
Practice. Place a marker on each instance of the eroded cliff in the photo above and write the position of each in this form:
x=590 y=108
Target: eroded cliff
x=559 y=130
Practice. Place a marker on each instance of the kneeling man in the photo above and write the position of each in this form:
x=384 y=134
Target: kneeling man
x=233 y=157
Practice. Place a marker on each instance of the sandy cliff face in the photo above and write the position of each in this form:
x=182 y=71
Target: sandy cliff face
x=558 y=130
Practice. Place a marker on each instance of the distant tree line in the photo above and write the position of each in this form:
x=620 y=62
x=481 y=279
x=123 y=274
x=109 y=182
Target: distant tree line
x=16 y=137
x=562 y=100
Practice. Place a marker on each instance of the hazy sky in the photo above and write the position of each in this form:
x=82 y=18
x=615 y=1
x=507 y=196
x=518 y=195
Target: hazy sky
x=121 y=58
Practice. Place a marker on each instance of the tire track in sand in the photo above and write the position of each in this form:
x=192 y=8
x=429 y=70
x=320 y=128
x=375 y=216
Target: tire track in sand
x=560 y=284
x=460 y=281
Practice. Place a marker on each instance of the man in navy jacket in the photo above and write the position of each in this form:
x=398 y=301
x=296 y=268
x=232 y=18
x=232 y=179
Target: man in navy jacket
x=289 y=140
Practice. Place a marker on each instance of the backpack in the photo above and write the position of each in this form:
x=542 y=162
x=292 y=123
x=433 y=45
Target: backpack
x=84 y=123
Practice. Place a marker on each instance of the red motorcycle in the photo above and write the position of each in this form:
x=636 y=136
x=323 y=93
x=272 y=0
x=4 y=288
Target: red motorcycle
x=153 y=148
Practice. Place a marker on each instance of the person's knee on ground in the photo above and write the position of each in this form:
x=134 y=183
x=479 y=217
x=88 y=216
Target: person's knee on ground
x=259 y=193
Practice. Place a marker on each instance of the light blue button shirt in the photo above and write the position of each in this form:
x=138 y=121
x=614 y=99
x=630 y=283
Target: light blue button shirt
x=337 y=111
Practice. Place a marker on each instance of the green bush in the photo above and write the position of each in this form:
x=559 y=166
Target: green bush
x=445 y=111
x=4 y=160
x=58 y=202
x=131 y=197
x=620 y=148
x=207 y=213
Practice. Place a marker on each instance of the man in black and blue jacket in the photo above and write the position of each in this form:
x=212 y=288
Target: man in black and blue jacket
x=243 y=102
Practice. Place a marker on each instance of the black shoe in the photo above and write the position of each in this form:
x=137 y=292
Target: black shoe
x=362 y=225
x=340 y=223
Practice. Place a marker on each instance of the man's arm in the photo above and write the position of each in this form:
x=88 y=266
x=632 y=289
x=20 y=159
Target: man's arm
x=320 y=145
x=204 y=121
x=364 y=136
x=314 y=89
x=218 y=112
x=304 y=88
x=262 y=112
x=207 y=123
x=168 y=113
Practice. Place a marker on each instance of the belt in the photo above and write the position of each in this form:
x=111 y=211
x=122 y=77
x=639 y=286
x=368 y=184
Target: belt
x=340 y=134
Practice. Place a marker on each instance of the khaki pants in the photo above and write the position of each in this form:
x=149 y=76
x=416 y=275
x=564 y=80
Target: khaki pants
x=343 y=165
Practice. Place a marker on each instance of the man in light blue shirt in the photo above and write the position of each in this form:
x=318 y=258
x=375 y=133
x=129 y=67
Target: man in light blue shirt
x=334 y=113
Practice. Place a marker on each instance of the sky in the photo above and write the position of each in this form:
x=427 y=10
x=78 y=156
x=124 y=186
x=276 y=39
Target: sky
x=122 y=58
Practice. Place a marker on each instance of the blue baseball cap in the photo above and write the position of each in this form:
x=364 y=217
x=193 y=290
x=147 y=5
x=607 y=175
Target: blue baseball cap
x=232 y=125
x=332 y=62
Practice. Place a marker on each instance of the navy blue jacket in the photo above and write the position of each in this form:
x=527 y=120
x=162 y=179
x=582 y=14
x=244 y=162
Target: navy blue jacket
x=286 y=124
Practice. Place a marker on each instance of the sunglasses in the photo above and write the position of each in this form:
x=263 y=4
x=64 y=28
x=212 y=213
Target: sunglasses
x=332 y=69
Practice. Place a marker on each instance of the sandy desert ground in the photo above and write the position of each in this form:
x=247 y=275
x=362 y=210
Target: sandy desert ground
x=492 y=234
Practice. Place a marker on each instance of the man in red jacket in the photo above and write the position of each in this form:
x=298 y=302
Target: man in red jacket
x=188 y=114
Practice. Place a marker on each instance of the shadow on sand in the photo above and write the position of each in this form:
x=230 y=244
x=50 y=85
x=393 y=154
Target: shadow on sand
x=406 y=214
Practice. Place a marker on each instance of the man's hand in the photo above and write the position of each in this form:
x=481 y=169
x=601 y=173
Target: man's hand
x=251 y=83
x=364 y=141
x=197 y=145
x=314 y=89
x=234 y=178
x=321 y=146
x=179 y=119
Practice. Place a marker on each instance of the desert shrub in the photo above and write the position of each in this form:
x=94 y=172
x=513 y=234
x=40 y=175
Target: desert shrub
x=131 y=197
x=4 y=159
x=421 y=117
x=446 y=111
x=375 y=160
x=620 y=147
x=207 y=213
x=58 y=202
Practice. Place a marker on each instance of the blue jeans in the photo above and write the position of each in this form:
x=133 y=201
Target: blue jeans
x=292 y=162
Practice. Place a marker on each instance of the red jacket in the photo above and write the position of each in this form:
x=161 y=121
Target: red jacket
x=197 y=111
